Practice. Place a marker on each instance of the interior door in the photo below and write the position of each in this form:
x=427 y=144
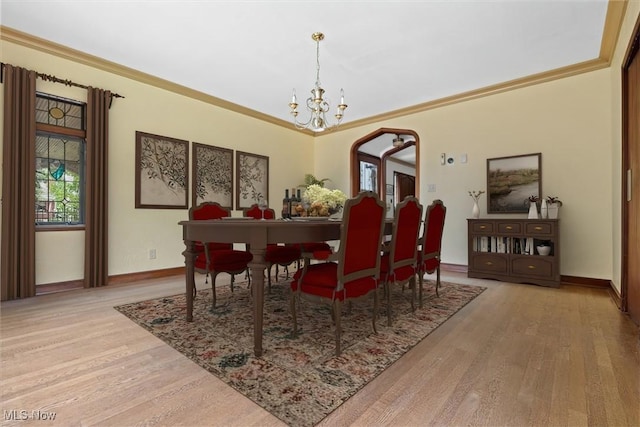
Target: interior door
x=631 y=183
x=405 y=185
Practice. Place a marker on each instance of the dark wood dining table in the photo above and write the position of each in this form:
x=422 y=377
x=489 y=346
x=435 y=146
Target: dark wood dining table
x=257 y=234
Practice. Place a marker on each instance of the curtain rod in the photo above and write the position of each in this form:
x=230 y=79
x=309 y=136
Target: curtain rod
x=51 y=78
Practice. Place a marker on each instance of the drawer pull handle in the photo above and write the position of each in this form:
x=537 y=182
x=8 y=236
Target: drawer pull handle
x=482 y=227
x=508 y=227
x=489 y=263
x=532 y=267
x=538 y=228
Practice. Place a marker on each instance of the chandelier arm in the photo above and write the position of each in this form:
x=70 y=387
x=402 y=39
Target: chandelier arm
x=317 y=105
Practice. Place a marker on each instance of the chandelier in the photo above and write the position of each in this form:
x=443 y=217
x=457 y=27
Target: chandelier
x=398 y=141
x=316 y=104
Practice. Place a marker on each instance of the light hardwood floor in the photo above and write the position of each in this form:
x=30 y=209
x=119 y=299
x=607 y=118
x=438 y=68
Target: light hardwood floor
x=518 y=355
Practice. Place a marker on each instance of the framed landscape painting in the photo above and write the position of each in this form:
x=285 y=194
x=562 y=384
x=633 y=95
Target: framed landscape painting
x=161 y=172
x=511 y=181
x=212 y=175
x=252 y=179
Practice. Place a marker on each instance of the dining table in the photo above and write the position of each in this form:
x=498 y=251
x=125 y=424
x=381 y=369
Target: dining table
x=257 y=234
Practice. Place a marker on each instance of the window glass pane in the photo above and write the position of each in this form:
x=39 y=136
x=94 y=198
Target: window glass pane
x=368 y=177
x=59 y=112
x=59 y=189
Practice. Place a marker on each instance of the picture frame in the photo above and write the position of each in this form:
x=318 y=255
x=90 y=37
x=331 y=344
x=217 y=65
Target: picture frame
x=161 y=172
x=252 y=179
x=212 y=175
x=511 y=181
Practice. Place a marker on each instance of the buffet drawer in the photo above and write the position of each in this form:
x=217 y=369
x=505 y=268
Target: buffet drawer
x=492 y=263
x=532 y=266
x=538 y=228
x=482 y=227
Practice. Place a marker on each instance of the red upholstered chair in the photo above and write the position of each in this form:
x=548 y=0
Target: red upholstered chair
x=283 y=255
x=430 y=243
x=399 y=263
x=215 y=258
x=353 y=270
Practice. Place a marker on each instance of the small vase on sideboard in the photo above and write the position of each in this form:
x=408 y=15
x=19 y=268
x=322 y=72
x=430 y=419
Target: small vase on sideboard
x=533 y=210
x=475 y=212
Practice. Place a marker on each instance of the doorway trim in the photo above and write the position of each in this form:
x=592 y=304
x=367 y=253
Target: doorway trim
x=373 y=135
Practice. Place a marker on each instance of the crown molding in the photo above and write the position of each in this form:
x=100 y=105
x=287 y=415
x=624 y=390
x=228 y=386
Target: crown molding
x=615 y=14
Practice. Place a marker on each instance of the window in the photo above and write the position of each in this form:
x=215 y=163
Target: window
x=369 y=172
x=59 y=161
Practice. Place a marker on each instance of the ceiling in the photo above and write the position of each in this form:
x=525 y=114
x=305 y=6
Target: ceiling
x=387 y=55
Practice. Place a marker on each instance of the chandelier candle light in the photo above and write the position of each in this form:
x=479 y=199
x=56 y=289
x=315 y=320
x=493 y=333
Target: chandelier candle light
x=316 y=104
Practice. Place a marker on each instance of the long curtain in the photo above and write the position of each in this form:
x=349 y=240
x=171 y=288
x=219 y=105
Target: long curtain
x=18 y=184
x=96 y=191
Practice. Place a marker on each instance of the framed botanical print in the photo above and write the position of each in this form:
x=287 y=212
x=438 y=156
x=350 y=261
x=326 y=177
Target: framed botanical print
x=212 y=175
x=161 y=172
x=511 y=181
x=252 y=179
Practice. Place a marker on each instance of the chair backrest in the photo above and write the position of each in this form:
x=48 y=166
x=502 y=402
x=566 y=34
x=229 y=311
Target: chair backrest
x=208 y=210
x=254 y=212
x=433 y=228
x=406 y=232
x=360 y=238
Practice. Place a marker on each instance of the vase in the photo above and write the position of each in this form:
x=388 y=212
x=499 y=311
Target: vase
x=475 y=212
x=533 y=210
x=552 y=210
x=543 y=209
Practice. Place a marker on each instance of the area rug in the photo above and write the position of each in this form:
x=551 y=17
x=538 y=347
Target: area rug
x=299 y=380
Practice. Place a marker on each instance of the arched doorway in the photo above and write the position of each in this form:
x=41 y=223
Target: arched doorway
x=380 y=149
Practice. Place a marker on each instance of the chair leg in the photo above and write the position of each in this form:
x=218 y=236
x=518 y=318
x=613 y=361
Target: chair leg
x=337 y=308
x=387 y=293
x=412 y=283
x=269 y=275
x=233 y=276
x=376 y=304
x=213 y=288
x=292 y=307
x=437 y=280
x=420 y=274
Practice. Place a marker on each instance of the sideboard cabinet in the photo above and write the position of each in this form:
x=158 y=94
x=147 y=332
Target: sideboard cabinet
x=507 y=249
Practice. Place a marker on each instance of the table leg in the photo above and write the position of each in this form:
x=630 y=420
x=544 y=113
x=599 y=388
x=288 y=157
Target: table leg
x=189 y=258
x=257 y=266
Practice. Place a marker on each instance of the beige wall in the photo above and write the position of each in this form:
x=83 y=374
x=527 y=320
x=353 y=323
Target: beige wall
x=574 y=122
x=132 y=232
x=626 y=32
x=568 y=121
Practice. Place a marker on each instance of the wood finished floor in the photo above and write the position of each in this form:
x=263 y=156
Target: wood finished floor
x=518 y=355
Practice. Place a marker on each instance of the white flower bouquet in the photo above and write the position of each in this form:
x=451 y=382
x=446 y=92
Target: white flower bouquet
x=322 y=201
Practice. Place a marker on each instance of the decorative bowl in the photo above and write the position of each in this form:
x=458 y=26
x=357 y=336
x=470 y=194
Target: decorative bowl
x=544 y=250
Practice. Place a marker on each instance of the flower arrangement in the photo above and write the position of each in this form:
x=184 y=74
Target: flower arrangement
x=475 y=195
x=322 y=201
x=534 y=199
x=553 y=199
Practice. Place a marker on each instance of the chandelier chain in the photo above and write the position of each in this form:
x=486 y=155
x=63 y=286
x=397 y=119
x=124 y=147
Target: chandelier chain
x=316 y=104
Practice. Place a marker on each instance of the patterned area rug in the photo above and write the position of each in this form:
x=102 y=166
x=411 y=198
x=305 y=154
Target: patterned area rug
x=299 y=380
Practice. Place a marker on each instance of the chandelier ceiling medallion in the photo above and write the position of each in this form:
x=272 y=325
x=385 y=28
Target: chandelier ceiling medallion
x=316 y=104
